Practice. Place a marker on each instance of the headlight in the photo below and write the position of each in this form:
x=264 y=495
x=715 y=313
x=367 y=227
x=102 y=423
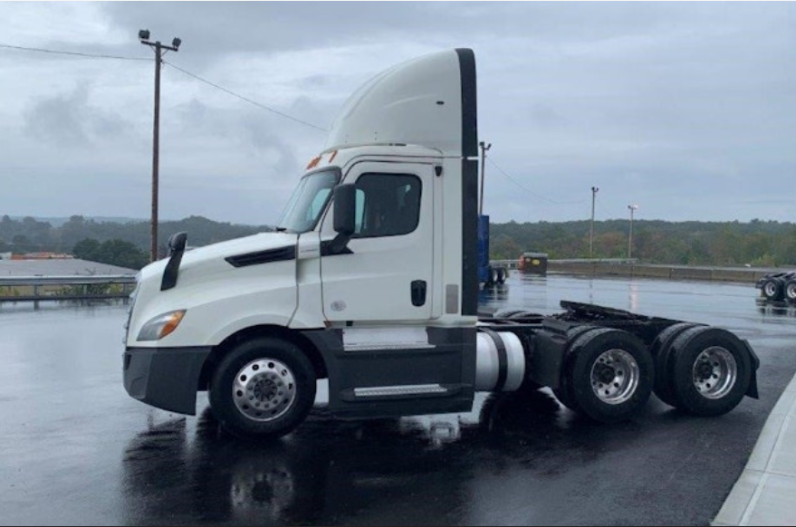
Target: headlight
x=161 y=326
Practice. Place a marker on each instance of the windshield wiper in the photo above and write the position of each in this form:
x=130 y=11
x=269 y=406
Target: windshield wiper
x=281 y=229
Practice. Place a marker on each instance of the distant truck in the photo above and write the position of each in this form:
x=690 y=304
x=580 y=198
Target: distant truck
x=372 y=282
x=533 y=263
x=778 y=287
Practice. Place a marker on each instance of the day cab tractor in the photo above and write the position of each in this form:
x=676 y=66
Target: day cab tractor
x=371 y=281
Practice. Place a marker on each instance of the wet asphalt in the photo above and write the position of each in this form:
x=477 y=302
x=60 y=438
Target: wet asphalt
x=75 y=449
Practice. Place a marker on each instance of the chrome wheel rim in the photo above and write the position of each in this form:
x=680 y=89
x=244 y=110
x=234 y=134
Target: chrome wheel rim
x=715 y=373
x=791 y=291
x=615 y=377
x=771 y=289
x=264 y=390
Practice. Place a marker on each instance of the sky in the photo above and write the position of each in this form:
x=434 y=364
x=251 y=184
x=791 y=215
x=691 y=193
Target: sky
x=687 y=110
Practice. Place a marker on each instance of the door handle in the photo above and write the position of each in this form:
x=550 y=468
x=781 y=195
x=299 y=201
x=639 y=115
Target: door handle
x=419 y=288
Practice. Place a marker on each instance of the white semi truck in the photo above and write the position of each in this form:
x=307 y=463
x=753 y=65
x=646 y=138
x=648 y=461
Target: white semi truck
x=372 y=283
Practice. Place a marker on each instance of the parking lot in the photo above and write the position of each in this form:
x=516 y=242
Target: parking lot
x=77 y=450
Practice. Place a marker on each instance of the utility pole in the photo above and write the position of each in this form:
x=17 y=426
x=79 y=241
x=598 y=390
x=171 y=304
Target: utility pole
x=594 y=191
x=633 y=209
x=484 y=148
x=144 y=35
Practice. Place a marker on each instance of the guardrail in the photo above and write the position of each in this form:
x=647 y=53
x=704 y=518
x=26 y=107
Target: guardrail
x=508 y=264
x=65 y=288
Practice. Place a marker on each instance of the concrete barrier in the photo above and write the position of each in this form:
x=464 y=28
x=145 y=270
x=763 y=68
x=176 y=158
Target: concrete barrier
x=597 y=268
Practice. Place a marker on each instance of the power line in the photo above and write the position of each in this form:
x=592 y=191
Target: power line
x=246 y=99
x=73 y=53
x=529 y=191
x=197 y=77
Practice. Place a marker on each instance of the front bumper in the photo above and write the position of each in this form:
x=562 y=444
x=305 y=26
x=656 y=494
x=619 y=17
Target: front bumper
x=166 y=378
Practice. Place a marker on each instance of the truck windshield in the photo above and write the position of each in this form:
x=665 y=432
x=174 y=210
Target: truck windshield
x=308 y=202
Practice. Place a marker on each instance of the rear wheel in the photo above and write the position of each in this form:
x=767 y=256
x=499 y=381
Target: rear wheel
x=773 y=290
x=508 y=313
x=264 y=387
x=502 y=274
x=661 y=354
x=711 y=373
x=564 y=393
x=790 y=291
x=611 y=375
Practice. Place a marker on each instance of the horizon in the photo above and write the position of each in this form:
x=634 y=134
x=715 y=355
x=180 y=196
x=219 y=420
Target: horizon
x=117 y=220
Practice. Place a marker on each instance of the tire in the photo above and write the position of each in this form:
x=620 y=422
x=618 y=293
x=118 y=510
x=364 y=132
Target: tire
x=493 y=276
x=711 y=373
x=772 y=290
x=611 y=375
x=507 y=313
x=523 y=315
x=501 y=275
x=279 y=380
x=790 y=291
x=564 y=392
x=661 y=354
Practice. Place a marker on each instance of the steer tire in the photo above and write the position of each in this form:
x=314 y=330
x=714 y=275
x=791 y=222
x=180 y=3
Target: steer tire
x=662 y=355
x=278 y=373
x=610 y=376
x=693 y=388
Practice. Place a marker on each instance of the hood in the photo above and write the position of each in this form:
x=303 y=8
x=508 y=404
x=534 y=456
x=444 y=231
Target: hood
x=215 y=256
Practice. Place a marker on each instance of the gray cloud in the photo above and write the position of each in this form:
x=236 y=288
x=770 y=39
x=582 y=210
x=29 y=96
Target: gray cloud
x=69 y=120
x=687 y=109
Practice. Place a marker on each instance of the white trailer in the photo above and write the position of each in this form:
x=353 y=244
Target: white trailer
x=372 y=283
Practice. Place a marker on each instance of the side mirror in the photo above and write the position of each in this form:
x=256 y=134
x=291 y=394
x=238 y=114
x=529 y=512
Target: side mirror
x=345 y=204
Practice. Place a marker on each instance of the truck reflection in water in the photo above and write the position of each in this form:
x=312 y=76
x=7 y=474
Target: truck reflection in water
x=775 y=309
x=410 y=470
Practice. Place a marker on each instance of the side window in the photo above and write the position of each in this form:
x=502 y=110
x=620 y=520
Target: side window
x=387 y=205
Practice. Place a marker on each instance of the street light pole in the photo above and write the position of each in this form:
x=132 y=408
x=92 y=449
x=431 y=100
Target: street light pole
x=144 y=35
x=484 y=148
x=633 y=209
x=594 y=191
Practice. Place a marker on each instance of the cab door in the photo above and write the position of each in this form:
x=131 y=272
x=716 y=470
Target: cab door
x=386 y=272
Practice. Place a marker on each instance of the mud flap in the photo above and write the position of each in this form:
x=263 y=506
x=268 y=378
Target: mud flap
x=752 y=391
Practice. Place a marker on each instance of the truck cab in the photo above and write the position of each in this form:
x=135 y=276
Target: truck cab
x=371 y=281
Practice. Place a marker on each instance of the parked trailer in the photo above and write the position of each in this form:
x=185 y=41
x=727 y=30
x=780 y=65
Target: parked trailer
x=372 y=282
x=489 y=274
x=778 y=287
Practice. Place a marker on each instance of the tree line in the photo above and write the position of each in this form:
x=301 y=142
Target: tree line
x=756 y=243
x=123 y=244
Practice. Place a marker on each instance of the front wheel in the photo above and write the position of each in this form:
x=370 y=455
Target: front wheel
x=264 y=387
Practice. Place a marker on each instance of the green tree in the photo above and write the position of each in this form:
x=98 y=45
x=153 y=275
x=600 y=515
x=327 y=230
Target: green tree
x=112 y=252
x=88 y=249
